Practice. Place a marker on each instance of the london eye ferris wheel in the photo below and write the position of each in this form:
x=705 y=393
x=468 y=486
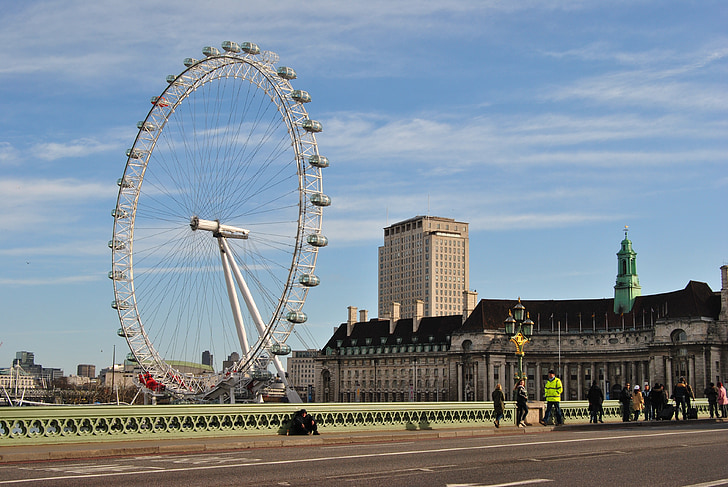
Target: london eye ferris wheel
x=217 y=224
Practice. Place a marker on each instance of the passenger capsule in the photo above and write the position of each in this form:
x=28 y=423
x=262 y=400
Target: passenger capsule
x=210 y=51
x=121 y=332
x=262 y=375
x=312 y=125
x=171 y=78
x=317 y=240
x=117 y=244
x=280 y=349
x=119 y=213
x=120 y=304
x=230 y=46
x=286 y=73
x=117 y=275
x=159 y=101
x=147 y=126
x=189 y=61
x=134 y=153
x=250 y=47
x=296 y=316
x=309 y=280
x=124 y=183
x=301 y=96
x=318 y=161
x=320 y=199
x=130 y=357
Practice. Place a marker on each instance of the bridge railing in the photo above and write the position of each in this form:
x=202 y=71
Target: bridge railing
x=60 y=424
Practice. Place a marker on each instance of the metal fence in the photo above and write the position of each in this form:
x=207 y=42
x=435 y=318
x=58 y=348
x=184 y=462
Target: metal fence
x=59 y=424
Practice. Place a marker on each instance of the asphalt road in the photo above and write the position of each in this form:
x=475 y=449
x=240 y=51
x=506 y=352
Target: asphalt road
x=659 y=456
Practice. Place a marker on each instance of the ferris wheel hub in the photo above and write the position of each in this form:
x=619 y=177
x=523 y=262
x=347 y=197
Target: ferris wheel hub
x=217 y=228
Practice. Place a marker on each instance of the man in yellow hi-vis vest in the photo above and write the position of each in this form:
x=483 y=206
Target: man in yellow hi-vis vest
x=552 y=391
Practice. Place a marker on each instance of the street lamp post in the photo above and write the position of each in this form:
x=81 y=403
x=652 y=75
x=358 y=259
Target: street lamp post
x=520 y=330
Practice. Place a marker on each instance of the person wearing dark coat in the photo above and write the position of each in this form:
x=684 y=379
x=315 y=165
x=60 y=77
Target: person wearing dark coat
x=657 y=400
x=499 y=404
x=595 y=396
x=304 y=424
x=711 y=392
x=521 y=404
x=625 y=399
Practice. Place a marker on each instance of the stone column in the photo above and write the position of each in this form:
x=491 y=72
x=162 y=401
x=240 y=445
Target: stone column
x=691 y=374
x=475 y=380
x=668 y=375
x=536 y=387
x=459 y=374
x=565 y=381
x=579 y=381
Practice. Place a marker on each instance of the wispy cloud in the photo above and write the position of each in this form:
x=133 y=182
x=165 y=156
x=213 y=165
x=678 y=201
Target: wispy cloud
x=665 y=86
x=49 y=280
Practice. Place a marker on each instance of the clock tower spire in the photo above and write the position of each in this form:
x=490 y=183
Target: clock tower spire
x=628 y=284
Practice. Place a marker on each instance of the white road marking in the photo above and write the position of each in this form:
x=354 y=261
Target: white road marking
x=710 y=484
x=509 y=484
x=360 y=456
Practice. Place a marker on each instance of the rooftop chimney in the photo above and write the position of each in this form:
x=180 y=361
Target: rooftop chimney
x=419 y=313
x=363 y=316
x=393 y=317
x=351 y=319
x=470 y=298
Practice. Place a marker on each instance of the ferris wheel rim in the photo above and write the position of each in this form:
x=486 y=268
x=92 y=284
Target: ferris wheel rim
x=303 y=257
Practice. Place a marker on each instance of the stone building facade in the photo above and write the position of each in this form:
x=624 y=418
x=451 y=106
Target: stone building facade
x=652 y=338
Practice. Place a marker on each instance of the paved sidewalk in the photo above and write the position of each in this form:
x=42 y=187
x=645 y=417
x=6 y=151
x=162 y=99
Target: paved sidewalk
x=101 y=449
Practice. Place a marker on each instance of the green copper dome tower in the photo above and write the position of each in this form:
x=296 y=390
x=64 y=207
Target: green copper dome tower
x=628 y=284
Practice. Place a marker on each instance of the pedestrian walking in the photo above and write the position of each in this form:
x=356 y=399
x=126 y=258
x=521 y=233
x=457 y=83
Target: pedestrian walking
x=657 y=400
x=638 y=403
x=552 y=391
x=711 y=392
x=649 y=411
x=722 y=400
x=680 y=395
x=625 y=401
x=521 y=403
x=499 y=404
x=595 y=396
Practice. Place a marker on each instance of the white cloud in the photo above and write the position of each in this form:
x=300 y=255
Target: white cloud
x=49 y=151
x=668 y=86
x=49 y=280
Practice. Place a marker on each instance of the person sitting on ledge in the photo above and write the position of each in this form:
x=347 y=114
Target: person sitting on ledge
x=304 y=424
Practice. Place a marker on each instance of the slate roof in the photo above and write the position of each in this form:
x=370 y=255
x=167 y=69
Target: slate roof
x=438 y=327
x=696 y=300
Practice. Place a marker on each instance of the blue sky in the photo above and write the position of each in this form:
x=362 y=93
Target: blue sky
x=547 y=125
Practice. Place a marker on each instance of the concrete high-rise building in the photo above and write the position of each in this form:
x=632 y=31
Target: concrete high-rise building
x=86 y=370
x=299 y=368
x=424 y=268
x=206 y=358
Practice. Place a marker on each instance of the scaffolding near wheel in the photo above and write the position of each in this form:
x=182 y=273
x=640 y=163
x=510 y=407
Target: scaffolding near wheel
x=217 y=225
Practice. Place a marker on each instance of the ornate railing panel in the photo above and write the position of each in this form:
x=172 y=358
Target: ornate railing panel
x=58 y=424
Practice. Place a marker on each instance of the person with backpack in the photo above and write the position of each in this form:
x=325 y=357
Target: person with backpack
x=681 y=396
x=711 y=392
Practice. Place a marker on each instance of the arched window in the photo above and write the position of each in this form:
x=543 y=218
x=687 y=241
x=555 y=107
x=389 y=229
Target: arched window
x=467 y=345
x=678 y=336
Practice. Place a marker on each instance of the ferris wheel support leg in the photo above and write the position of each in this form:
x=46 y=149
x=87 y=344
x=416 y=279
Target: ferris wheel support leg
x=233 y=296
x=250 y=303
